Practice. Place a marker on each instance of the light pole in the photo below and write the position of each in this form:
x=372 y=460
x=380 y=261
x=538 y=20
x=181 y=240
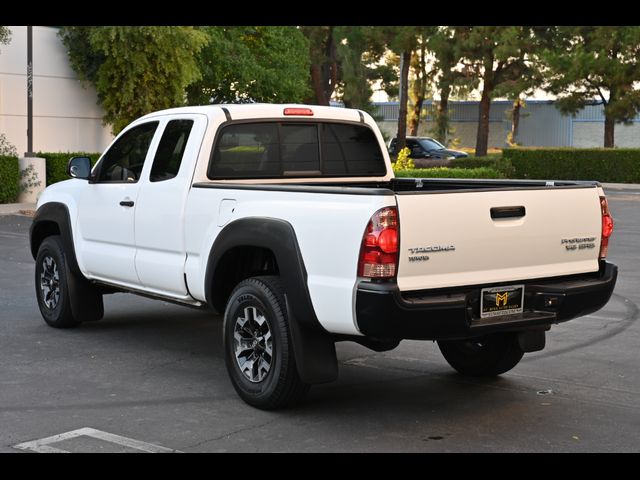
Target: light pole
x=29 y=152
x=31 y=167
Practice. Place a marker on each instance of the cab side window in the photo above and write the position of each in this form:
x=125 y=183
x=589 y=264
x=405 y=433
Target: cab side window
x=124 y=161
x=173 y=143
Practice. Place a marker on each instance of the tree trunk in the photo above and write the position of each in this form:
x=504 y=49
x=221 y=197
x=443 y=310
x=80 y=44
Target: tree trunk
x=482 y=140
x=515 y=121
x=402 y=114
x=443 y=116
x=418 y=88
x=324 y=76
x=318 y=87
x=414 y=121
x=332 y=73
x=609 y=127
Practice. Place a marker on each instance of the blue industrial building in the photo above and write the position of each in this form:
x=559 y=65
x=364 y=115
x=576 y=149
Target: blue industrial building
x=541 y=124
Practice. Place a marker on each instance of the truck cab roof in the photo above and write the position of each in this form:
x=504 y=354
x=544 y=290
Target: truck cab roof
x=248 y=111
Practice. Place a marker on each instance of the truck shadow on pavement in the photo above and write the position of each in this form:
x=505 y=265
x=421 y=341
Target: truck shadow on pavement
x=190 y=340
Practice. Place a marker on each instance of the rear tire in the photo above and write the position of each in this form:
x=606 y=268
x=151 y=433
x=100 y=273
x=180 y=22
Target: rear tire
x=258 y=346
x=486 y=356
x=52 y=284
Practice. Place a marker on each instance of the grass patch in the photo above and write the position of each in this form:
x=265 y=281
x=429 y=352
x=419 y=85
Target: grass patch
x=445 y=172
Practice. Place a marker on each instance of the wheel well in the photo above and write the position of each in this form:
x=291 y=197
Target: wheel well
x=237 y=264
x=41 y=231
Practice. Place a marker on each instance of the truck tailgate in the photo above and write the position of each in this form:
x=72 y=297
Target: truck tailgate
x=450 y=239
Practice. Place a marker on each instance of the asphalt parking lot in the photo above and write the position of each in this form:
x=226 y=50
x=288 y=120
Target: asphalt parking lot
x=150 y=376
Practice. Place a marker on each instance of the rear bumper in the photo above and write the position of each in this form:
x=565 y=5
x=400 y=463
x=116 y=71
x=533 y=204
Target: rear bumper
x=383 y=312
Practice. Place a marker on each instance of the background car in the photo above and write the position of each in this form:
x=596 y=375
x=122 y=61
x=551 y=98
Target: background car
x=428 y=152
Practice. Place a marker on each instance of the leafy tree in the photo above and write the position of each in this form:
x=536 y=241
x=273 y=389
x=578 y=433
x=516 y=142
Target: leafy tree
x=7 y=149
x=420 y=80
x=445 y=46
x=5 y=35
x=596 y=62
x=324 y=63
x=402 y=41
x=499 y=57
x=252 y=63
x=518 y=89
x=388 y=73
x=357 y=54
x=344 y=63
x=135 y=70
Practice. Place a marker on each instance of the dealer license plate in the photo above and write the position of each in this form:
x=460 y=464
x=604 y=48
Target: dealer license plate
x=506 y=300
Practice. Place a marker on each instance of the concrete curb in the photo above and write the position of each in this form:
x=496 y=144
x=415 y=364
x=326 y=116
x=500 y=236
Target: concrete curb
x=621 y=186
x=27 y=209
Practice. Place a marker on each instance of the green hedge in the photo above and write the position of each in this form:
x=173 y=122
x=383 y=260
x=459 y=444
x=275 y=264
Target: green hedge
x=495 y=161
x=621 y=165
x=9 y=179
x=444 y=172
x=473 y=162
x=57 y=164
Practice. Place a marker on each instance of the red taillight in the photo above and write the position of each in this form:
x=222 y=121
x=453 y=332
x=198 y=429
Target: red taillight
x=607 y=227
x=379 y=250
x=299 y=111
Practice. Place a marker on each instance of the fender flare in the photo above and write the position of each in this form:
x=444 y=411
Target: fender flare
x=86 y=301
x=313 y=346
x=58 y=213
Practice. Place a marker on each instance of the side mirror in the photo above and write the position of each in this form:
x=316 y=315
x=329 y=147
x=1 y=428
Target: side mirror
x=79 y=167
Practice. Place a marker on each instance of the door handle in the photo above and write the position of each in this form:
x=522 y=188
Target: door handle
x=508 y=212
x=127 y=203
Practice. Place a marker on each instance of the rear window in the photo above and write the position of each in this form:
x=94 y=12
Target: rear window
x=295 y=149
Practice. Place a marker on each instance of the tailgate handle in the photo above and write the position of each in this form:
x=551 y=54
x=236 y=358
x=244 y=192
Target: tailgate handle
x=508 y=212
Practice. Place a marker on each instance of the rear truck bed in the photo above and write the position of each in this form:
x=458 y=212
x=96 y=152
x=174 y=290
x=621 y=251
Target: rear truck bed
x=477 y=257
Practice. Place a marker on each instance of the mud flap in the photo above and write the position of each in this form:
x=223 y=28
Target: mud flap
x=531 y=340
x=86 y=303
x=315 y=352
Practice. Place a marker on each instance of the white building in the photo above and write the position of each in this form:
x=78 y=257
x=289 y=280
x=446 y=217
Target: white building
x=66 y=116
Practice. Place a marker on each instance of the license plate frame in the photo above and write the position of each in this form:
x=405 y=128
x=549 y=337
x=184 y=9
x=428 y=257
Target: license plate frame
x=494 y=304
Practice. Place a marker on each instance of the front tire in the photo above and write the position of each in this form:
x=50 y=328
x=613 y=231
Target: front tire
x=52 y=284
x=258 y=348
x=486 y=356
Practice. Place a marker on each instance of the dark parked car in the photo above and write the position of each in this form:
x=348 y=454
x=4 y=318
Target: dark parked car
x=428 y=151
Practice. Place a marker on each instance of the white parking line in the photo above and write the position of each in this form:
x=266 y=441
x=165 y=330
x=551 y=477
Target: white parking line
x=43 y=445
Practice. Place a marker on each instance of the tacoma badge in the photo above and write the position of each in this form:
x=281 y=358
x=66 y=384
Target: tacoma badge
x=414 y=253
x=578 y=243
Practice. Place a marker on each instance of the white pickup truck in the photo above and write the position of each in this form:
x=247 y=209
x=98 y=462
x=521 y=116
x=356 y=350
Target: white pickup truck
x=288 y=220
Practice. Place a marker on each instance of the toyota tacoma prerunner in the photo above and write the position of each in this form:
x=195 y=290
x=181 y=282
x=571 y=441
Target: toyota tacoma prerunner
x=287 y=220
